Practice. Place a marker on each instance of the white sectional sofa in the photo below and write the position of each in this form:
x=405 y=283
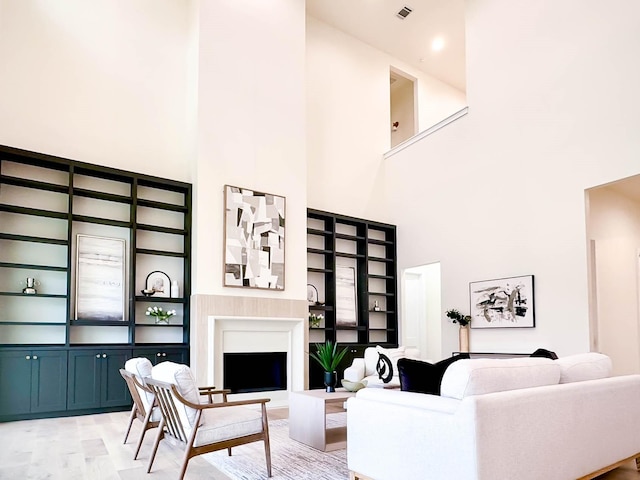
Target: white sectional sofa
x=499 y=419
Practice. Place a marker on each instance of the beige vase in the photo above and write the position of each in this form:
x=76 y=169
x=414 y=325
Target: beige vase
x=464 y=338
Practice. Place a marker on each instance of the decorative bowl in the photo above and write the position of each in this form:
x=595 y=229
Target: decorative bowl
x=147 y=292
x=353 y=386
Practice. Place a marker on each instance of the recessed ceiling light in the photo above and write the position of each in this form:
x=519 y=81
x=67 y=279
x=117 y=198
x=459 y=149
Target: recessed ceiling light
x=437 y=44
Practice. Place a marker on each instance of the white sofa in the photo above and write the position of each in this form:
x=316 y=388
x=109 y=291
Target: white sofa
x=365 y=368
x=499 y=419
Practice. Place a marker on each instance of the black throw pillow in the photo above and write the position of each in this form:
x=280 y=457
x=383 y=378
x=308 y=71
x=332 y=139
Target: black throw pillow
x=424 y=377
x=544 y=353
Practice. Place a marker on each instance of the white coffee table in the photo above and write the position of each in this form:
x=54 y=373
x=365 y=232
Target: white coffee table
x=308 y=418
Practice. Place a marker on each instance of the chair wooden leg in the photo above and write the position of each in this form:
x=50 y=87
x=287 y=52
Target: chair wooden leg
x=145 y=427
x=189 y=447
x=131 y=417
x=267 y=446
x=229 y=450
x=155 y=445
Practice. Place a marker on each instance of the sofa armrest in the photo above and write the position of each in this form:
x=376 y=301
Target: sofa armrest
x=355 y=372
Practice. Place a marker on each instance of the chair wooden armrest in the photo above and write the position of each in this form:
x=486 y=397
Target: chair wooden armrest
x=211 y=391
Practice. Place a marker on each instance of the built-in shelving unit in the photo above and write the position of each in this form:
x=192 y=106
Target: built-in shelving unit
x=45 y=203
x=338 y=243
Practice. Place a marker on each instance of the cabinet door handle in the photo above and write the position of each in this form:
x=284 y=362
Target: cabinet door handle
x=98 y=356
x=35 y=357
x=164 y=354
x=158 y=354
x=28 y=357
x=104 y=355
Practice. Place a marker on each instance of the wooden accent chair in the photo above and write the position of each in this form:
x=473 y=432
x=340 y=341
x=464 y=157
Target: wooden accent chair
x=136 y=369
x=203 y=427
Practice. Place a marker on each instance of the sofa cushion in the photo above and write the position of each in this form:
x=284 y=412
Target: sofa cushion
x=182 y=377
x=424 y=377
x=488 y=375
x=544 y=353
x=584 y=366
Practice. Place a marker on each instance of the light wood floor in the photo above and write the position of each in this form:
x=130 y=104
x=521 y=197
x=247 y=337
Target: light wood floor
x=90 y=447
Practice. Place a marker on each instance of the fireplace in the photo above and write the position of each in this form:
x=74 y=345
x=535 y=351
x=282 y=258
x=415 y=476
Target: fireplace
x=249 y=372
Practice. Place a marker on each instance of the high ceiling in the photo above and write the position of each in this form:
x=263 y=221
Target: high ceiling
x=375 y=23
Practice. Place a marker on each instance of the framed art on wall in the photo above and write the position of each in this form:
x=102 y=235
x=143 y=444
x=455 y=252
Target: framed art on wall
x=502 y=303
x=253 y=239
x=100 y=266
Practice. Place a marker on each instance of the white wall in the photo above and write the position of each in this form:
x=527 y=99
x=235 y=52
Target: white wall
x=251 y=128
x=103 y=82
x=552 y=110
x=614 y=225
x=348 y=116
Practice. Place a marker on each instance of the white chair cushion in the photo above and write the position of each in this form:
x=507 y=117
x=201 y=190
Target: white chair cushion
x=487 y=375
x=584 y=366
x=182 y=377
x=141 y=367
x=228 y=422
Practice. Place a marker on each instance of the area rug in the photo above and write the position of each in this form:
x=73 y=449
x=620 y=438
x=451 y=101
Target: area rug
x=290 y=460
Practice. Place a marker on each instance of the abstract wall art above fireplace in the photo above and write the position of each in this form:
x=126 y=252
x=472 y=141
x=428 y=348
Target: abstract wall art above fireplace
x=253 y=239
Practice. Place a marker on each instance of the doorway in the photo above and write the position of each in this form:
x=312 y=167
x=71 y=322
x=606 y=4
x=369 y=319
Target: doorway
x=613 y=235
x=403 y=106
x=421 y=304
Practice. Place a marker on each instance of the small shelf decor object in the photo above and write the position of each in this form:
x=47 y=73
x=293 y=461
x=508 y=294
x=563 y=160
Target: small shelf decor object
x=315 y=320
x=158 y=283
x=463 y=332
x=253 y=239
x=100 y=278
x=312 y=295
x=502 y=303
x=31 y=284
x=161 y=315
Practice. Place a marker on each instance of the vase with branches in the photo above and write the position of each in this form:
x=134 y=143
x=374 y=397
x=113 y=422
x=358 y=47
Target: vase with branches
x=463 y=321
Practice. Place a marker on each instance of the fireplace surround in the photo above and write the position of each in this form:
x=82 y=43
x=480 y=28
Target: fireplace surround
x=225 y=324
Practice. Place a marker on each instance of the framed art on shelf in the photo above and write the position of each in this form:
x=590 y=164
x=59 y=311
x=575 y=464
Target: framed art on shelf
x=502 y=303
x=160 y=283
x=100 y=280
x=346 y=307
x=253 y=239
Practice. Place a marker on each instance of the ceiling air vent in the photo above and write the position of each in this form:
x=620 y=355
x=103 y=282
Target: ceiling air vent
x=404 y=13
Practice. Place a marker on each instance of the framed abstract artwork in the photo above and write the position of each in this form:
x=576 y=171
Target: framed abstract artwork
x=253 y=239
x=502 y=303
x=100 y=281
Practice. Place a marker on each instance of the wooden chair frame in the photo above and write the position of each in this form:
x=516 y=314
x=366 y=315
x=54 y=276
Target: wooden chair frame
x=138 y=409
x=171 y=426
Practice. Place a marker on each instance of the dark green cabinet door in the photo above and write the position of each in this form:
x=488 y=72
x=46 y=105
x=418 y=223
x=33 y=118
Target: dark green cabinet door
x=48 y=381
x=84 y=379
x=15 y=382
x=114 y=390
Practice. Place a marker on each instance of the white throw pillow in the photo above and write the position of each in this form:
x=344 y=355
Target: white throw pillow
x=487 y=375
x=393 y=354
x=182 y=377
x=141 y=366
x=584 y=366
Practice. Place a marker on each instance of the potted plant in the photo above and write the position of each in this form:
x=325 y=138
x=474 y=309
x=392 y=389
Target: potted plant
x=463 y=321
x=328 y=356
